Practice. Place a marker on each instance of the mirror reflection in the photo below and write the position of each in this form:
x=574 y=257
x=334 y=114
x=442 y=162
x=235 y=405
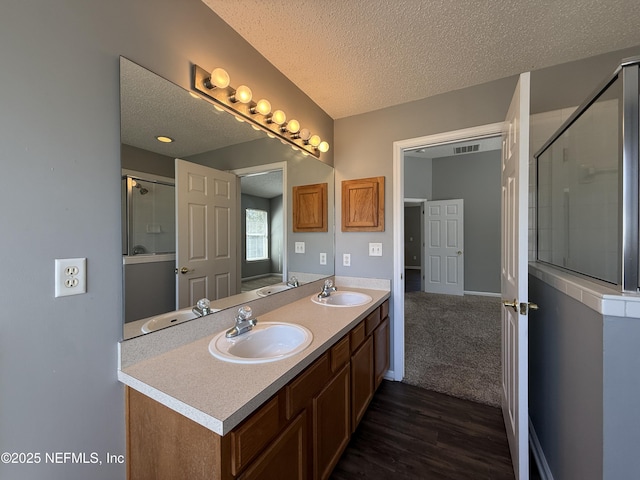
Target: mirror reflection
x=181 y=243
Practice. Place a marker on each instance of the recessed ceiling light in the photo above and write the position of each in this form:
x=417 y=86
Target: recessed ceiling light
x=163 y=139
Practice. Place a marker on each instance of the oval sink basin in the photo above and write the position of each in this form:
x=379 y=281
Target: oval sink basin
x=343 y=299
x=271 y=289
x=266 y=342
x=167 y=319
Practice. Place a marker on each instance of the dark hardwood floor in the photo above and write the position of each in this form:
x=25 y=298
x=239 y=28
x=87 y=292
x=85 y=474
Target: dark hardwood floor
x=412 y=433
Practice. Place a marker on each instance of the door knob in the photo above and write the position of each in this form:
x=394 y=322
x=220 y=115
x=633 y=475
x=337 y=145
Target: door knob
x=184 y=270
x=524 y=307
x=459 y=252
x=513 y=304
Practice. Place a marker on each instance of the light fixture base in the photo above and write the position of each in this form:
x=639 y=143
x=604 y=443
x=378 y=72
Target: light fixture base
x=200 y=77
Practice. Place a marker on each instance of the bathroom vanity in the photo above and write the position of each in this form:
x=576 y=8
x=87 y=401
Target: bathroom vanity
x=190 y=415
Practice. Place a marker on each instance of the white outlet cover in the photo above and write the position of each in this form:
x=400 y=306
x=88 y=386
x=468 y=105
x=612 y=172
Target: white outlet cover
x=323 y=258
x=346 y=260
x=70 y=276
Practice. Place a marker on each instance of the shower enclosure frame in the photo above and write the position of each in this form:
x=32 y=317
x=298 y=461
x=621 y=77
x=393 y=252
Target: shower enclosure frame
x=629 y=175
x=128 y=177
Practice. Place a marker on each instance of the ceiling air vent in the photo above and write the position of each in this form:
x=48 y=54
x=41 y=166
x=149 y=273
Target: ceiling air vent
x=466 y=149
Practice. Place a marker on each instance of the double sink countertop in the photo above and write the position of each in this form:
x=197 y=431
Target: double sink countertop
x=219 y=394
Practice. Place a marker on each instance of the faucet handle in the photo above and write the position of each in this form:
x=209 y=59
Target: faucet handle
x=328 y=283
x=244 y=313
x=203 y=304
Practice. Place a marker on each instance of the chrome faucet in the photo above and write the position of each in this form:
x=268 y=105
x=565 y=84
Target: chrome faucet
x=244 y=322
x=293 y=282
x=327 y=288
x=202 y=308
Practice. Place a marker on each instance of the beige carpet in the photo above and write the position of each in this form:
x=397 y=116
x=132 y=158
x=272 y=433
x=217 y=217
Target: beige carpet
x=452 y=345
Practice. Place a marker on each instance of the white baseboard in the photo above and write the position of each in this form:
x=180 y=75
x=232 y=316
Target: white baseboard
x=482 y=294
x=538 y=454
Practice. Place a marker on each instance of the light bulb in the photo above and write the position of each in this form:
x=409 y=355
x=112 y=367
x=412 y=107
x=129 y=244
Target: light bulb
x=323 y=147
x=219 y=78
x=243 y=94
x=305 y=134
x=293 y=126
x=278 y=117
x=315 y=140
x=263 y=107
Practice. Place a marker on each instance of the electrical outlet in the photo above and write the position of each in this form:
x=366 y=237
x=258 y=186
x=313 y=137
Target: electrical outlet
x=323 y=258
x=71 y=276
x=375 y=249
x=299 y=247
x=346 y=259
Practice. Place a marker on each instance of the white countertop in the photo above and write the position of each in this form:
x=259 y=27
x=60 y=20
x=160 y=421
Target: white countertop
x=218 y=394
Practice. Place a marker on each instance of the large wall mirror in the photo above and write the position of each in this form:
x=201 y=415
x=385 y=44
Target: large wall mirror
x=247 y=244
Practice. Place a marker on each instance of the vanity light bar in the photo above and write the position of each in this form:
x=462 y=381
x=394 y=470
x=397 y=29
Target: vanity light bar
x=238 y=102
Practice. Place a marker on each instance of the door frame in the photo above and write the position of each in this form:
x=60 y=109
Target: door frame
x=422 y=203
x=489 y=130
x=267 y=167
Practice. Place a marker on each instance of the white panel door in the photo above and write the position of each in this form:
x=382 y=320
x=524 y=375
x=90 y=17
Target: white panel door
x=206 y=246
x=515 y=203
x=444 y=247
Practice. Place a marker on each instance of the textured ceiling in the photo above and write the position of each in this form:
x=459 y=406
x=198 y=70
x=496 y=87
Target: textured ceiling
x=355 y=56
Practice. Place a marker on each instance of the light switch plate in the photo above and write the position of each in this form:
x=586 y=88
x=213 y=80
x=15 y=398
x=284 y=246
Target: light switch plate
x=299 y=247
x=375 y=249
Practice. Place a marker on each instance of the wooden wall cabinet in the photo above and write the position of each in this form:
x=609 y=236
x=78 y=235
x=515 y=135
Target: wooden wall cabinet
x=363 y=205
x=310 y=208
x=299 y=433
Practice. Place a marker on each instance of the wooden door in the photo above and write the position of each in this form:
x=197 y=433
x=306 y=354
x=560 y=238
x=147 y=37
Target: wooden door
x=444 y=247
x=515 y=173
x=206 y=246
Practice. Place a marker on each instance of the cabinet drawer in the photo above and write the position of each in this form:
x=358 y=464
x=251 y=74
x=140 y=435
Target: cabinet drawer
x=357 y=336
x=251 y=437
x=340 y=354
x=301 y=390
x=384 y=310
x=372 y=321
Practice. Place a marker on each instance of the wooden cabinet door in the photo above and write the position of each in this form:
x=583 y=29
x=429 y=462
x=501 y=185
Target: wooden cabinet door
x=381 y=351
x=361 y=381
x=331 y=424
x=286 y=458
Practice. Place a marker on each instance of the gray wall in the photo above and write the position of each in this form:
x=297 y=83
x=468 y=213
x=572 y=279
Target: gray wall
x=566 y=382
x=621 y=393
x=60 y=198
x=150 y=289
x=583 y=387
x=140 y=160
x=475 y=178
x=418 y=183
